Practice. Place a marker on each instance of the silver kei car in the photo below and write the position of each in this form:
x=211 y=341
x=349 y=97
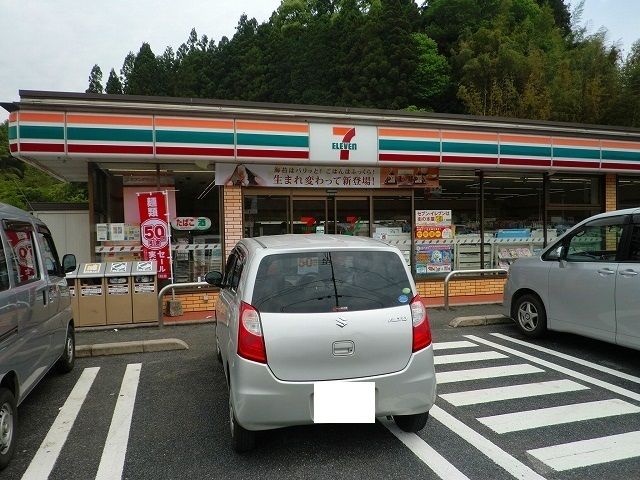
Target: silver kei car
x=586 y=282
x=298 y=310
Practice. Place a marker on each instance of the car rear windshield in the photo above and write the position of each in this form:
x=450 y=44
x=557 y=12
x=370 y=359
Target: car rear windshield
x=332 y=281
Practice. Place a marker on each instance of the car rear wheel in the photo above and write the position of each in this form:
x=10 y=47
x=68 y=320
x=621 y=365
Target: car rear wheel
x=8 y=426
x=411 y=423
x=68 y=358
x=530 y=316
x=242 y=440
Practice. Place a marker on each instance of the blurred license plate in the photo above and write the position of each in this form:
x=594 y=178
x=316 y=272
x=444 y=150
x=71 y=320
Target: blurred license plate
x=344 y=402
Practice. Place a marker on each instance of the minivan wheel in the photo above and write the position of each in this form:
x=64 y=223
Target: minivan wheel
x=411 y=423
x=242 y=440
x=8 y=426
x=68 y=358
x=530 y=316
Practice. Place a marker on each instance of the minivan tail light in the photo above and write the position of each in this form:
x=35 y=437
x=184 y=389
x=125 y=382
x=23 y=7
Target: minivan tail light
x=420 y=321
x=250 y=339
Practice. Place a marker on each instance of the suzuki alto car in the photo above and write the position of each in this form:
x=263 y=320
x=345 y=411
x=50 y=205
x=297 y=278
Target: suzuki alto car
x=295 y=310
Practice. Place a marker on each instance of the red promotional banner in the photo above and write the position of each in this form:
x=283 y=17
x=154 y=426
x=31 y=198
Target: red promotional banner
x=154 y=231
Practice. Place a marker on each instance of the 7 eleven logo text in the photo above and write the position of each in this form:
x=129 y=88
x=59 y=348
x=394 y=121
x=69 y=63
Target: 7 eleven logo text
x=345 y=145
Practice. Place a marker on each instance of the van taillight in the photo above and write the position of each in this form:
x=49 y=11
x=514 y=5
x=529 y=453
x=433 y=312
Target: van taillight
x=250 y=339
x=421 y=329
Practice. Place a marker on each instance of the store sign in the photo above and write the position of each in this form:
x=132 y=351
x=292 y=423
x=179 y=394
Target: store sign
x=433 y=218
x=349 y=144
x=410 y=177
x=297 y=176
x=154 y=231
x=191 y=223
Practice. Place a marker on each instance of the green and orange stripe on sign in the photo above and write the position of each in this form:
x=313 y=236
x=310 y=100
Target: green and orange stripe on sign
x=469 y=148
x=620 y=155
x=109 y=134
x=408 y=145
x=194 y=137
x=272 y=140
x=576 y=152
x=39 y=132
x=525 y=150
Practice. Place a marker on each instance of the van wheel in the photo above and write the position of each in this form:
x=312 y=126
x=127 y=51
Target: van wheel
x=411 y=423
x=530 y=316
x=68 y=358
x=242 y=440
x=8 y=426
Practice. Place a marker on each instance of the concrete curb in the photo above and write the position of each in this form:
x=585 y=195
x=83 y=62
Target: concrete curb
x=479 y=320
x=139 y=346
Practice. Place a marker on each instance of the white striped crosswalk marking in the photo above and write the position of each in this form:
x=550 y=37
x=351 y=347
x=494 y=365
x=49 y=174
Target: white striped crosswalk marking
x=589 y=452
x=467 y=357
x=514 y=422
x=497 y=455
x=45 y=458
x=489 y=372
x=448 y=345
x=115 y=448
x=426 y=453
x=510 y=392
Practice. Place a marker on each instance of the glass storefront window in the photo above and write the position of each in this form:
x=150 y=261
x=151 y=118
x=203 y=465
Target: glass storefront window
x=513 y=201
x=571 y=199
x=628 y=194
x=352 y=216
x=265 y=215
x=392 y=222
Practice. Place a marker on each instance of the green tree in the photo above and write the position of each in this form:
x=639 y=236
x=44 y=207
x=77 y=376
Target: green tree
x=95 y=80
x=114 y=85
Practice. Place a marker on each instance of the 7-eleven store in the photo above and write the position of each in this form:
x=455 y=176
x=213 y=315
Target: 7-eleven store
x=452 y=192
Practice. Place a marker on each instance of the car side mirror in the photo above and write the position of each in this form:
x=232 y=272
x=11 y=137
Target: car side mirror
x=214 y=278
x=69 y=263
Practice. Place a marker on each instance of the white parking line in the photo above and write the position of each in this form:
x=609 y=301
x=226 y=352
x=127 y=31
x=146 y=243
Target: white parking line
x=45 y=458
x=564 y=356
x=543 y=417
x=501 y=458
x=447 y=345
x=426 y=453
x=488 y=372
x=115 y=448
x=567 y=371
x=590 y=452
x=466 y=357
x=510 y=392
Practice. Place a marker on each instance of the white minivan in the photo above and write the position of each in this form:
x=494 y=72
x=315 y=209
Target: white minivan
x=298 y=310
x=36 y=323
x=586 y=282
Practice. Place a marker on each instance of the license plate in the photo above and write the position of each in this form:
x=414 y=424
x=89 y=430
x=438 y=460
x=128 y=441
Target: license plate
x=344 y=402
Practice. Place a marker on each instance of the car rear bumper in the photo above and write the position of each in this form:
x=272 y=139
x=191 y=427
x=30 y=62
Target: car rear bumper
x=263 y=402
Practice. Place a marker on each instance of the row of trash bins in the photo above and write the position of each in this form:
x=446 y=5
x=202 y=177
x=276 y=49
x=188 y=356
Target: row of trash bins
x=114 y=293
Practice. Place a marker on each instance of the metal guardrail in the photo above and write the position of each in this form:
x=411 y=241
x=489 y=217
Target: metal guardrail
x=173 y=286
x=455 y=273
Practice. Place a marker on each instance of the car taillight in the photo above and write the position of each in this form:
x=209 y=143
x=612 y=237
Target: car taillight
x=250 y=339
x=421 y=329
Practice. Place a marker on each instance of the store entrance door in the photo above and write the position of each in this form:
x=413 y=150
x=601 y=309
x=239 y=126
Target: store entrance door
x=309 y=215
x=341 y=215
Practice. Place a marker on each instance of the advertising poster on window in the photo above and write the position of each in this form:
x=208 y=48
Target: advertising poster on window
x=154 y=231
x=304 y=176
x=433 y=225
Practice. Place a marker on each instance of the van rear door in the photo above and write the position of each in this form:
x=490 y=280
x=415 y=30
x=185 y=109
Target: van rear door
x=338 y=314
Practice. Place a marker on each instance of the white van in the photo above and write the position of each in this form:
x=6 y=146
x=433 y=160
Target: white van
x=36 y=323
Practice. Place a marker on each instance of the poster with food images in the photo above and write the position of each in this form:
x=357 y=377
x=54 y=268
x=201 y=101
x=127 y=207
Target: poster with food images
x=436 y=257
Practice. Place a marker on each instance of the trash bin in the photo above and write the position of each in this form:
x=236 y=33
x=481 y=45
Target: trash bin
x=91 y=298
x=119 y=293
x=72 y=283
x=145 y=292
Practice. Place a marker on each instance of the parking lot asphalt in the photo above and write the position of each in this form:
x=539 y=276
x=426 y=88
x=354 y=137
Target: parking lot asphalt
x=178 y=427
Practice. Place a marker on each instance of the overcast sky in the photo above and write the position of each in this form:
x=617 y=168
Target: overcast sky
x=52 y=45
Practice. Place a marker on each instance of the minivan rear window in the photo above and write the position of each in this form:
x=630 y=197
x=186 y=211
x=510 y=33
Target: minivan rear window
x=331 y=281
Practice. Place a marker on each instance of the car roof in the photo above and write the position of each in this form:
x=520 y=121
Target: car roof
x=9 y=211
x=312 y=241
x=613 y=213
